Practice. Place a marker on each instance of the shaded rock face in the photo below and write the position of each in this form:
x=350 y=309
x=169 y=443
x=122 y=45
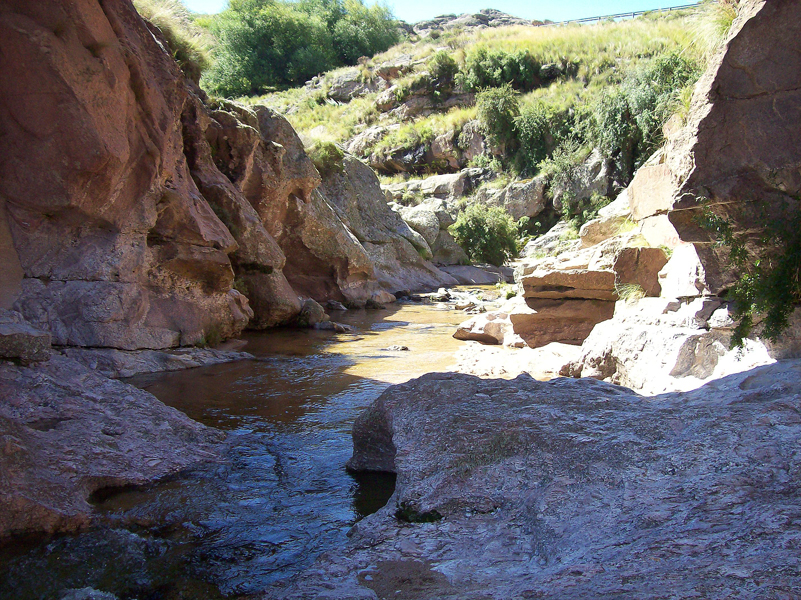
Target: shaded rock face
x=67 y=431
x=116 y=245
x=149 y=220
x=392 y=247
x=577 y=489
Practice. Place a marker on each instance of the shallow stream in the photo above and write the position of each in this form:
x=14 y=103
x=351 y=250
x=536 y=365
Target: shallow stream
x=281 y=496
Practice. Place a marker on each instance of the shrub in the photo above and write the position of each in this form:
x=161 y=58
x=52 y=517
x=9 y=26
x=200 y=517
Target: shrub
x=629 y=119
x=327 y=158
x=265 y=44
x=494 y=68
x=442 y=69
x=487 y=234
x=770 y=286
x=497 y=110
x=189 y=43
x=538 y=130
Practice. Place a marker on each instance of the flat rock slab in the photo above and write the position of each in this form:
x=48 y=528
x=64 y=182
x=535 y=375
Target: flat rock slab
x=575 y=489
x=66 y=431
x=473 y=275
x=573 y=283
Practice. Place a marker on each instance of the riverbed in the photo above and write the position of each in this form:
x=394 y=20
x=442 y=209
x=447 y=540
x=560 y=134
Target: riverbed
x=280 y=497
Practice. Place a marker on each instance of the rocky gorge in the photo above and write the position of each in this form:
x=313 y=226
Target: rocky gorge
x=143 y=223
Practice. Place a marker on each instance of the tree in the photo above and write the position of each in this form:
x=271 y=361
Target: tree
x=487 y=234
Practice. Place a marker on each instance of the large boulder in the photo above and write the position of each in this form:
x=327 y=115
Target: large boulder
x=67 y=432
x=739 y=155
x=573 y=489
x=523 y=198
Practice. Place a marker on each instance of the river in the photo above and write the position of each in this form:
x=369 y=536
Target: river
x=279 y=498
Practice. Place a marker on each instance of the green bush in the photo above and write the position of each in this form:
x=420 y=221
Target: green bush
x=539 y=130
x=442 y=69
x=487 y=234
x=327 y=158
x=497 y=110
x=629 y=119
x=770 y=285
x=264 y=44
x=494 y=68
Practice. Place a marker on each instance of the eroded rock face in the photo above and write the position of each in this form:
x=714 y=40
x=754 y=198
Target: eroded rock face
x=740 y=153
x=396 y=250
x=575 y=489
x=105 y=213
x=67 y=431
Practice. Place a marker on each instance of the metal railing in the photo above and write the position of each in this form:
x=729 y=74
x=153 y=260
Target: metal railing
x=625 y=15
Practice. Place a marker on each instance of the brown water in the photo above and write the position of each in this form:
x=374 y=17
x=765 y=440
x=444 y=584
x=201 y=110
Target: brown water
x=282 y=495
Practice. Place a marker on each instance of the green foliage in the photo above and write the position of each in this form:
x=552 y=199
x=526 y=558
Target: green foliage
x=265 y=44
x=327 y=157
x=442 y=69
x=629 y=119
x=539 y=129
x=487 y=234
x=497 y=110
x=486 y=68
x=189 y=43
x=770 y=286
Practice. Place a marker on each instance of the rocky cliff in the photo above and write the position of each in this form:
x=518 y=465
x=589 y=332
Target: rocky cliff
x=132 y=215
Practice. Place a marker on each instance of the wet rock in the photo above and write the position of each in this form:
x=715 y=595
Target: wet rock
x=67 y=432
x=397 y=348
x=571 y=489
x=87 y=593
x=114 y=363
x=311 y=314
x=19 y=340
x=334 y=305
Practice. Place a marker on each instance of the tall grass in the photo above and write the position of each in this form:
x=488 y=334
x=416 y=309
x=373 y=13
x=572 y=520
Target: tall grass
x=190 y=44
x=712 y=22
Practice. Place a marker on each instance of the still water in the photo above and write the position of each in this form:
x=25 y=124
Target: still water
x=280 y=497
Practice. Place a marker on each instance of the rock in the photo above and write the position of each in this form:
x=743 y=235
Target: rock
x=740 y=173
x=593 y=176
x=479 y=275
x=396 y=348
x=11 y=274
x=349 y=83
x=573 y=489
x=68 y=432
x=423 y=220
x=524 y=198
x=560 y=238
x=395 y=251
x=472 y=141
x=565 y=320
x=683 y=275
x=651 y=191
x=446 y=252
x=445 y=151
x=106 y=221
x=311 y=313
x=611 y=219
x=487 y=17
x=575 y=283
x=394 y=68
x=441 y=295
x=19 y=340
x=362 y=144
x=640 y=267
x=87 y=593
x=656 y=346
x=492 y=327
x=110 y=362
x=334 y=305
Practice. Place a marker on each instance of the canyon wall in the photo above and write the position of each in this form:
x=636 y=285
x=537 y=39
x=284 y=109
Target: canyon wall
x=133 y=215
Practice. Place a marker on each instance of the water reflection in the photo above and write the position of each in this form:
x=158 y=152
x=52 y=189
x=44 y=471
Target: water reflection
x=280 y=497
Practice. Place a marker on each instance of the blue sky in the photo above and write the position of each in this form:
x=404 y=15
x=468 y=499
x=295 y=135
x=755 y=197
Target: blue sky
x=556 y=10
